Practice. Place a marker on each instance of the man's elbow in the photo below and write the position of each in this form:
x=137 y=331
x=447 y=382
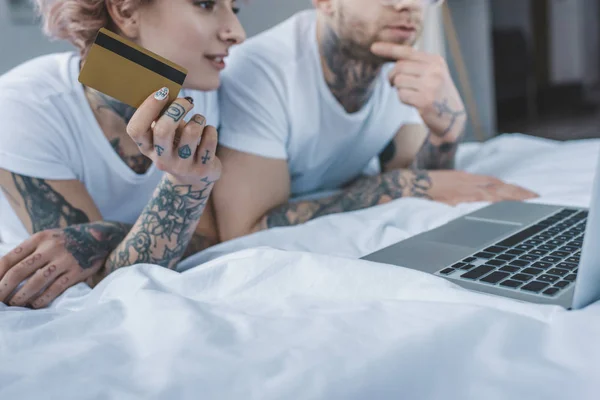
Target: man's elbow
x=229 y=230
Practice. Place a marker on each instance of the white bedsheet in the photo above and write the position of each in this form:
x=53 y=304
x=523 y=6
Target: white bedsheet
x=312 y=322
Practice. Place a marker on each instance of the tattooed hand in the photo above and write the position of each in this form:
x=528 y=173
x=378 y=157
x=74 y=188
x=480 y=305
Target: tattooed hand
x=51 y=261
x=424 y=82
x=455 y=187
x=186 y=151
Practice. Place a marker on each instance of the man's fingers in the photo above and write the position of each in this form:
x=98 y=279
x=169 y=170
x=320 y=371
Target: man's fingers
x=520 y=193
x=410 y=97
x=396 y=51
x=141 y=121
x=406 y=82
x=19 y=273
x=41 y=279
x=410 y=68
x=506 y=191
x=165 y=129
x=62 y=283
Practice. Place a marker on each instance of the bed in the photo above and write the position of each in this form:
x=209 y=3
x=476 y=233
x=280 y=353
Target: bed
x=292 y=313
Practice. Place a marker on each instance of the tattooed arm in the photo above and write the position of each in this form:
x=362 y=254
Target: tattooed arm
x=69 y=248
x=254 y=191
x=46 y=204
x=423 y=147
x=365 y=192
x=165 y=228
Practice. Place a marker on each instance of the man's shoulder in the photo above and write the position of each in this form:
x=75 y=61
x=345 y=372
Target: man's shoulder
x=277 y=47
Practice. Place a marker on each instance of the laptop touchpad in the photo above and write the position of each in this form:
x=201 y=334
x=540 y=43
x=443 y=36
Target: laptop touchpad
x=468 y=233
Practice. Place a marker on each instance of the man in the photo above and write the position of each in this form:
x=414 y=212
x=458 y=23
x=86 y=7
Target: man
x=308 y=105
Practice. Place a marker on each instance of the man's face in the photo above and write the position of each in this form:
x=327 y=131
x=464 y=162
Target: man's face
x=360 y=23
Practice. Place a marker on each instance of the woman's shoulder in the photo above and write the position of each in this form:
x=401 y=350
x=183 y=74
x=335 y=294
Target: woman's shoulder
x=42 y=77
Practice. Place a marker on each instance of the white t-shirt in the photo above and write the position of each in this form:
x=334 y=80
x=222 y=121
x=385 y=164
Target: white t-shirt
x=48 y=131
x=275 y=103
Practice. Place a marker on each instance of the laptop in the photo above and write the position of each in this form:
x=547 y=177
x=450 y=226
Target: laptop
x=529 y=252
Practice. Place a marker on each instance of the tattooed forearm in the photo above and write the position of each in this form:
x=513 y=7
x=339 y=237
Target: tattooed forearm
x=436 y=156
x=165 y=227
x=47 y=208
x=444 y=111
x=439 y=149
x=350 y=71
x=366 y=192
x=90 y=243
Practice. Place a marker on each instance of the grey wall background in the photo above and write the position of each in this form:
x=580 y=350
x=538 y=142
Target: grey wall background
x=473 y=19
x=470 y=16
x=473 y=23
x=259 y=15
x=21 y=39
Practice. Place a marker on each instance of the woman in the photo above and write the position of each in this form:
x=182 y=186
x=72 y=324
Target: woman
x=98 y=184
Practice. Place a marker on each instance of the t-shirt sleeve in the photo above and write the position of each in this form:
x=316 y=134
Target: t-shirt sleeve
x=253 y=116
x=31 y=141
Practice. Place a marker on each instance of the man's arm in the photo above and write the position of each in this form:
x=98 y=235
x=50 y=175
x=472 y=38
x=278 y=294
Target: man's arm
x=426 y=147
x=416 y=147
x=249 y=187
x=365 y=192
x=254 y=191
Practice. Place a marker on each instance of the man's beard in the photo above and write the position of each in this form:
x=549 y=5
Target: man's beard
x=356 y=43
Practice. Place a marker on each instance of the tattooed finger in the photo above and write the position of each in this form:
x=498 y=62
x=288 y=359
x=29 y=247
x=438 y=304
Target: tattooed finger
x=208 y=146
x=19 y=273
x=60 y=284
x=17 y=255
x=191 y=135
x=34 y=285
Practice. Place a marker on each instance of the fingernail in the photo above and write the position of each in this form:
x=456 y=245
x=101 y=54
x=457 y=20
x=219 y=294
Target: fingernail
x=162 y=94
x=190 y=100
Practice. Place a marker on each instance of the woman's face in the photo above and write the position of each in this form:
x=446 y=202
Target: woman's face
x=192 y=33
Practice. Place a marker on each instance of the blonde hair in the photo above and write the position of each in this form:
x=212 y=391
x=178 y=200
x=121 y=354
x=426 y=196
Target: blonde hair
x=78 y=21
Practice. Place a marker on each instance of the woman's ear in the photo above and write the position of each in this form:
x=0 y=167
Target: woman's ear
x=325 y=6
x=125 y=18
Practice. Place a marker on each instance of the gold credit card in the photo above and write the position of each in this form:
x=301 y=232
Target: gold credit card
x=127 y=72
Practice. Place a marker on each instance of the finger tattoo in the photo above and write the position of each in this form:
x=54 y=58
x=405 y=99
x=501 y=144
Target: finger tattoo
x=175 y=111
x=185 y=152
x=206 y=157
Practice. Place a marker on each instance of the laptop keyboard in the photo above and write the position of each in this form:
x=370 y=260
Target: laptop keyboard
x=541 y=259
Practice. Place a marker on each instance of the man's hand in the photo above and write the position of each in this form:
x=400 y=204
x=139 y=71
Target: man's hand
x=52 y=261
x=455 y=187
x=424 y=82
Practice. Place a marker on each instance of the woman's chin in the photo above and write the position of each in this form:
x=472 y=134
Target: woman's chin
x=203 y=84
